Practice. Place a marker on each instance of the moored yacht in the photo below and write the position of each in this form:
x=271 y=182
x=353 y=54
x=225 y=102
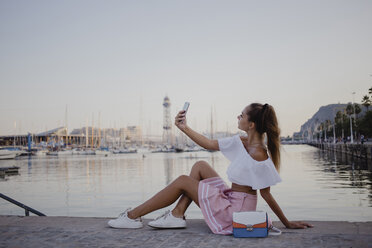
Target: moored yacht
x=8 y=154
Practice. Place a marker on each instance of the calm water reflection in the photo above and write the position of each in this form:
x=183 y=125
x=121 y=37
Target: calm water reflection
x=316 y=185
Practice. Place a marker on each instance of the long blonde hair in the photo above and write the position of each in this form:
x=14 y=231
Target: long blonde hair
x=264 y=117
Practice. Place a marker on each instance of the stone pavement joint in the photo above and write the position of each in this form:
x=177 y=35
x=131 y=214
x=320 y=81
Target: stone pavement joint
x=34 y=231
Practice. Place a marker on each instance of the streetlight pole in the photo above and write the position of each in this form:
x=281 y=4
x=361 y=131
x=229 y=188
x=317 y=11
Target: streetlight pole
x=342 y=124
x=353 y=104
x=354 y=111
x=351 y=131
x=334 y=132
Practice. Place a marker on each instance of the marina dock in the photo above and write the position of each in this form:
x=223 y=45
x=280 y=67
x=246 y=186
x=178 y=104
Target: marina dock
x=8 y=171
x=36 y=231
x=363 y=151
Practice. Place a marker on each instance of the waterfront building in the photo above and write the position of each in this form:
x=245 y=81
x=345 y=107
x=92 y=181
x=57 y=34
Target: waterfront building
x=133 y=133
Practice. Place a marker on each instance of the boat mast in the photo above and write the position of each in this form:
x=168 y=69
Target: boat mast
x=104 y=136
x=99 y=129
x=141 y=120
x=86 y=133
x=66 y=127
x=211 y=122
x=58 y=136
x=15 y=132
x=92 y=129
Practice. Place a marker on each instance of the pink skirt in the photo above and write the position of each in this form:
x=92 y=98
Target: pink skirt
x=218 y=202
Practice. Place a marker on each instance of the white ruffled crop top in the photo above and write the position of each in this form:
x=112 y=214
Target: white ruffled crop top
x=243 y=169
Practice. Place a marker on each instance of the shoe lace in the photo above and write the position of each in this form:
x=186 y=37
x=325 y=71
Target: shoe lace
x=163 y=215
x=124 y=213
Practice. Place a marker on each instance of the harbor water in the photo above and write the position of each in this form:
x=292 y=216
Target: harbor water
x=316 y=185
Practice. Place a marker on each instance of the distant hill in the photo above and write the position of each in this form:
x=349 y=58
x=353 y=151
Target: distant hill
x=324 y=113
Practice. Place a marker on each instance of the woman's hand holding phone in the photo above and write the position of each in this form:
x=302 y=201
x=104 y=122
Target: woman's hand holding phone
x=180 y=120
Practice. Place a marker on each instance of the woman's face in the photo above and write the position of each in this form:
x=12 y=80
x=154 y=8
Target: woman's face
x=243 y=122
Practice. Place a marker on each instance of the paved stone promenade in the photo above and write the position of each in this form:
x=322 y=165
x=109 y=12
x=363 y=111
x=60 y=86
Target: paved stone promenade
x=93 y=232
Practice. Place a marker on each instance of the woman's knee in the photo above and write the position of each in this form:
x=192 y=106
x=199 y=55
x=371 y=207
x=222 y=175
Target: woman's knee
x=200 y=163
x=187 y=185
x=197 y=168
x=204 y=170
x=182 y=180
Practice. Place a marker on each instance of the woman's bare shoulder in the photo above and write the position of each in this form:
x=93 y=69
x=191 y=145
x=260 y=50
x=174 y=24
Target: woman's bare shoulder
x=259 y=155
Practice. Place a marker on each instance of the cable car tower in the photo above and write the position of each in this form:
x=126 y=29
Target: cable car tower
x=167 y=124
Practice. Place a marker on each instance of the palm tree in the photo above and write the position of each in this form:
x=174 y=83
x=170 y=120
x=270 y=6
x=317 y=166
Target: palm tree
x=338 y=117
x=366 y=102
x=318 y=128
x=349 y=112
x=327 y=126
x=349 y=109
x=357 y=109
x=338 y=123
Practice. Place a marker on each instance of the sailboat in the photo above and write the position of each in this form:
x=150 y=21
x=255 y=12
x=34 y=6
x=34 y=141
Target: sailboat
x=212 y=131
x=179 y=147
x=102 y=150
x=89 y=151
x=8 y=154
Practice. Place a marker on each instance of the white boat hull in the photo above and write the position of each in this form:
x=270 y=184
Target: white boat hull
x=105 y=153
x=41 y=153
x=84 y=152
x=6 y=154
x=65 y=153
x=123 y=151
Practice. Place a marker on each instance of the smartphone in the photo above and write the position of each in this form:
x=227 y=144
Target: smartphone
x=186 y=106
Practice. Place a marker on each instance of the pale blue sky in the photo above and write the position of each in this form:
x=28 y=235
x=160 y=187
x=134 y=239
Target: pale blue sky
x=104 y=56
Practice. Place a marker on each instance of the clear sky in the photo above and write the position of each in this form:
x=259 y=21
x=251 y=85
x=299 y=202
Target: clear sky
x=120 y=58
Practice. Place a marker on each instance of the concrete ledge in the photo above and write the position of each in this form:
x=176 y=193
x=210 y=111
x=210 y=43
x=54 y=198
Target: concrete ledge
x=36 y=231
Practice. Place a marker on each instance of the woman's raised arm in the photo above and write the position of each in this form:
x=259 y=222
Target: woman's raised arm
x=201 y=140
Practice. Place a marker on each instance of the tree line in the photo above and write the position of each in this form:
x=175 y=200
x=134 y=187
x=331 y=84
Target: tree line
x=348 y=118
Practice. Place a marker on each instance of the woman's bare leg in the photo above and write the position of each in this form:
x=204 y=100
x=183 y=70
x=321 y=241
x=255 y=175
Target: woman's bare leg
x=183 y=185
x=200 y=170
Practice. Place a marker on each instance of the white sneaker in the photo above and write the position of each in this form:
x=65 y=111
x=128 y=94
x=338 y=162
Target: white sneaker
x=123 y=221
x=274 y=231
x=167 y=220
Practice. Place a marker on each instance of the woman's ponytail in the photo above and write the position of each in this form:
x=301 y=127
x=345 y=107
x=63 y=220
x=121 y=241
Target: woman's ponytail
x=265 y=120
x=273 y=135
